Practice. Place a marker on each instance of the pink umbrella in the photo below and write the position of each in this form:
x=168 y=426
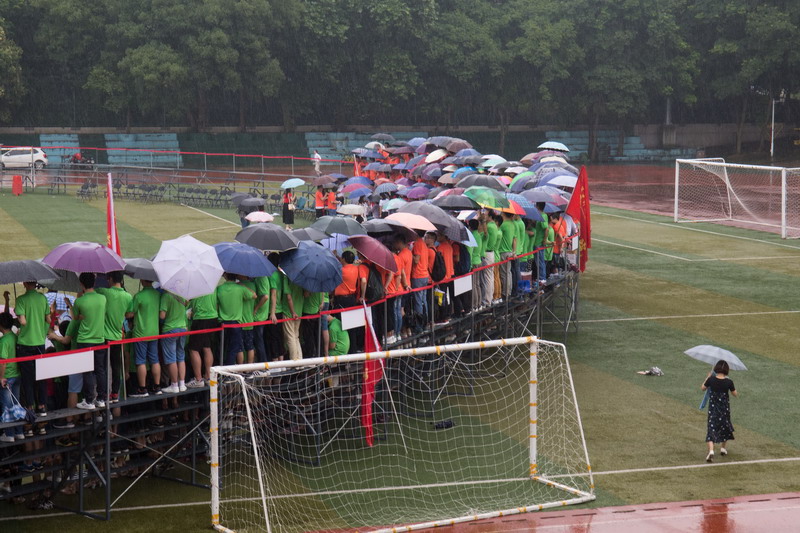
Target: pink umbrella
x=448 y=192
x=412 y=221
x=372 y=249
x=504 y=179
x=353 y=187
x=84 y=257
x=259 y=216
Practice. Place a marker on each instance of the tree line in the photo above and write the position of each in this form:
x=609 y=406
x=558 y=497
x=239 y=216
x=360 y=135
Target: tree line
x=202 y=63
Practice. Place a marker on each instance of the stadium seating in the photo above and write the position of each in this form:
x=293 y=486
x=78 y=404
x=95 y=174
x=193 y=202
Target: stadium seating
x=142 y=144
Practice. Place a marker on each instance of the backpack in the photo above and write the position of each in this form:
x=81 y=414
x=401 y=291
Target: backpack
x=464 y=264
x=438 y=270
x=375 y=290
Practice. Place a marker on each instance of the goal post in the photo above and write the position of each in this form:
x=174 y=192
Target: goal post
x=462 y=432
x=712 y=190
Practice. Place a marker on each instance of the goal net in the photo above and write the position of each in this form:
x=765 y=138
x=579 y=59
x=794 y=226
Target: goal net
x=459 y=432
x=711 y=190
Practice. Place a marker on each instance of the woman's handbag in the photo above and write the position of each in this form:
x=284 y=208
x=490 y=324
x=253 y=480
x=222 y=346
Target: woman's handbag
x=16 y=412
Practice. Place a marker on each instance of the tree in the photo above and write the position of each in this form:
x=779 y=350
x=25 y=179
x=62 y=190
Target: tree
x=11 y=88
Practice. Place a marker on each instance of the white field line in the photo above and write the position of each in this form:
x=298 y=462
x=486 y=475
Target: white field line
x=603 y=473
x=641 y=249
x=209 y=214
x=679 y=317
x=205 y=230
x=676 y=226
x=757 y=258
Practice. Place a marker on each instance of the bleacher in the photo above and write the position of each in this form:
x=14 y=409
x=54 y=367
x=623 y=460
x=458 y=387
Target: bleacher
x=153 y=146
x=68 y=144
x=608 y=141
x=338 y=145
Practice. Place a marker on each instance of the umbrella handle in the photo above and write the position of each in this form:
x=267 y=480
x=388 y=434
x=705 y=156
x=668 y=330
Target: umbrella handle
x=704 y=401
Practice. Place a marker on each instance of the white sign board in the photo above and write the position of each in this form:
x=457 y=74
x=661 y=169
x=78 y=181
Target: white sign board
x=64 y=365
x=353 y=319
x=462 y=285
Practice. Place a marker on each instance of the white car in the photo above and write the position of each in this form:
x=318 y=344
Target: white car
x=23 y=157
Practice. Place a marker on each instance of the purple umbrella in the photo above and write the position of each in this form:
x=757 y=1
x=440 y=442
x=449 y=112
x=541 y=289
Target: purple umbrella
x=404 y=181
x=84 y=257
x=376 y=252
x=417 y=193
x=432 y=171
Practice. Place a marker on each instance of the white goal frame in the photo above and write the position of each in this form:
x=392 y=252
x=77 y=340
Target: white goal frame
x=575 y=495
x=788 y=221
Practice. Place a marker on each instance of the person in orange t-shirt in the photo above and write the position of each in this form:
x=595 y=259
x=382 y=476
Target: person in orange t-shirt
x=559 y=226
x=446 y=249
x=345 y=294
x=330 y=203
x=420 y=277
x=319 y=201
x=404 y=259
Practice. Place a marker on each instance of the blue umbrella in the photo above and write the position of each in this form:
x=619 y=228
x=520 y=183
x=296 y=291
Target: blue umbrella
x=335 y=243
x=312 y=267
x=414 y=160
x=338 y=176
x=466 y=152
x=239 y=258
x=291 y=183
x=551 y=208
x=370 y=154
x=416 y=141
x=372 y=166
x=463 y=171
x=359 y=193
x=470 y=240
x=530 y=208
x=401 y=166
x=386 y=187
x=361 y=180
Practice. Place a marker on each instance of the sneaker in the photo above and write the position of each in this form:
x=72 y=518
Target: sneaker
x=723 y=451
x=172 y=389
x=710 y=457
x=100 y=404
x=140 y=392
x=391 y=339
x=182 y=388
x=85 y=405
x=156 y=391
x=19 y=436
x=41 y=411
x=42 y=430
x=6 y=438
x=113 y=397
x=29 y=432
x=37 y=465
x=195 y=384
x=63 y=424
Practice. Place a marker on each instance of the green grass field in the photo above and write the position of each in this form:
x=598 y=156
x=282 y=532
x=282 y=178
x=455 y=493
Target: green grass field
x=652 y=289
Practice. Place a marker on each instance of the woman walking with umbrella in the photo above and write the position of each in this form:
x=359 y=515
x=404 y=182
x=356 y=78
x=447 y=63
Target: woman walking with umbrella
x=720 y=428
x=288 y=208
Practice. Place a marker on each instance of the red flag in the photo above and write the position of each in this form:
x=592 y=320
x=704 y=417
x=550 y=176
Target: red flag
x=373 y=372
x=580 y=211
x=356 y=169
x=112 y=237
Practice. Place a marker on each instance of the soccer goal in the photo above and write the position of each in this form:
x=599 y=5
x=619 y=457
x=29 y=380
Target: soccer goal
x=711 y=190
x=397 y=440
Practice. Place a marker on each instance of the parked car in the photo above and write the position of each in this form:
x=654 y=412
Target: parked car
x=23 y=157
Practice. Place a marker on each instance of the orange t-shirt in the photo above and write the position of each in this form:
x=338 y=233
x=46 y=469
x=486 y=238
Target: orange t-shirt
x=331 y=204
x=560 y=230
x=420 y=270
x=447 y=254
x=349 y=281
x=431 y=257
x=319 y=199
x=403 y=264
x=363 y=273
x=394 y=285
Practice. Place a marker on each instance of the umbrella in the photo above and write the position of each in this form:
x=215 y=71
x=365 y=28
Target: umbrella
x=538 y=195
x=267 y=237
x=455 y=203
x=259 y=216
x=432 y=171
x=404 y=181
x=309 y=234
x=414 y=161
x=521 y=180
x=64 y=281
x=457 y=145
x=514 y=208
x=374 y=145
x=394 y=203
x=323 y=180
x=439 y=218
x=384 y=168
x=338 y=176
x=416 y=141
x=436 y=155
x=375 y=251
x=372 y=166
x=358 y=193
x=361 y=180
x=467 y=151
x=292 y=183
x=552 y=145
x=84 y=257
x=417 y=193
x=401 y=150
x=347 y=189
x=433 y=193
x=481 y=180
x=487 y=197
x=515 y=170
x=412 y=221
x=448 y=192
x=140 y=268
x=386 y=226
x=382 y=137
x=338 y=224
x=239 y=258
x=187 y=267
x=560 y=180
x=371 y=154
x=25 y=270
x=550 y=207
x=447 y=179
x=386 y=187
x=252 y=202
x=335 y=243
x=312 y=267
x=711 y=354
x=351 y=209
x=237 y=197
x=440 y=141
x=505 y=180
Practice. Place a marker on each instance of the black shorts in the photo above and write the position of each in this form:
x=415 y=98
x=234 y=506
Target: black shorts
x=198 y=341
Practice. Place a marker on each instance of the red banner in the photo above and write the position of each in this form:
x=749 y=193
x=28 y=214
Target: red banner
x=580 y=211
x=373 y=372
x=112 y=237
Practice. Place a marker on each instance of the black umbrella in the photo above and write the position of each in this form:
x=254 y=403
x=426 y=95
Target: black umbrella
x=25 y=270
x=456 y=202
x=457 y=144
x=434 y=193
x=309 y=234
x=383 y=226
x=338 y=224
x=140 y=268
x=64 y=281
x=385 y=137
x=481 y=180
x=252 y=202
x=441 y=141
x=238 y=197
x=268 y=237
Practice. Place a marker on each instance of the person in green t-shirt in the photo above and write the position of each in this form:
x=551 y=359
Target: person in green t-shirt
x=248 y=317
x=273 y=333
x=32 y=313
x=231 y=297
x=293 y=300
x=203 y=310
x=489 y=274
x=538 y=242
x=172 y=312
x=507 y=246
x=521 y=238
x=9 y=375
x=339 y=338
x=475 y=261
x=261 y=314
x=144 y=310
x=90 y=309
x=310 y=327
x=117 y=302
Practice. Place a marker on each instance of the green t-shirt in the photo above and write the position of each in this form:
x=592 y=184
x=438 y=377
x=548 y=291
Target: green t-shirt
x=8 y=350
x=248 y=314
x=541 y=227
x=475 y=251
x=175 y=317
x=276 y=282
x=338 y=337
x=508 y=231
x=144 y=307
x=312 y=303
x=551 y=236
x=204 y=307
x=296 y=291
x=91 y=307
x=493 y=236
x=33 y=305
x=262 y=289
x=72 y=333
x=522 y=237
x=117 y=302
x=230 y=301
x=484 y=243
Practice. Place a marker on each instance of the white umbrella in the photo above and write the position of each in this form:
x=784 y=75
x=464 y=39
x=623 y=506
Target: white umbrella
x=436 y=155
x=553 y=145
x=374 y=145
x=259 y=216
x=563 y=181
x=351 y=209
x=187 y=267
x=711 y=354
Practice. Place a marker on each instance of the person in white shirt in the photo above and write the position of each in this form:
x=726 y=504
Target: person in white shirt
x=317 y=160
